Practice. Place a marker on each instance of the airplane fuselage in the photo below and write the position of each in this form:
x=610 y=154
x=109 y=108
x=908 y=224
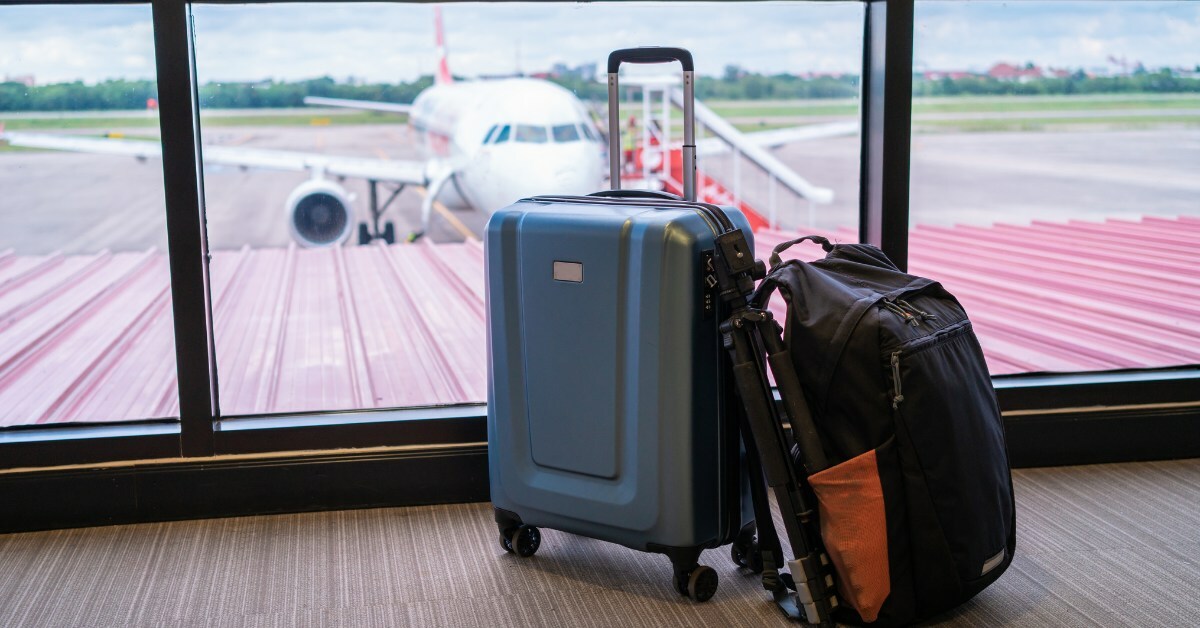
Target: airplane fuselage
x=508 y=139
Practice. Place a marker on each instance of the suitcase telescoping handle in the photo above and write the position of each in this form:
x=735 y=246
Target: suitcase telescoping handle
x=654 y=54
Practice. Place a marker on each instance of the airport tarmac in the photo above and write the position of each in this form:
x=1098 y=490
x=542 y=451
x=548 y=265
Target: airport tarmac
x=83 y=203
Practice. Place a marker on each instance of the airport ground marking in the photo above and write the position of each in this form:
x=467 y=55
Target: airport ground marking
x=445 y=212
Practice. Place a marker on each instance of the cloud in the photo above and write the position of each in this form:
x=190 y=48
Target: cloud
x=974 y=35
x=389 y=42
x=67 y=43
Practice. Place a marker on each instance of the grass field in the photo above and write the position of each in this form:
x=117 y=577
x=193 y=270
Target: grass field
x=5 y=148
x=1056 y=103
x=1153 y=110
x=1113 y=122
x=300 y=118
x=989 y=114
x=966 y=105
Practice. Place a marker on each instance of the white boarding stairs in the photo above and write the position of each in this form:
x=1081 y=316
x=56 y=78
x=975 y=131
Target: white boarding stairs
x=742 y=145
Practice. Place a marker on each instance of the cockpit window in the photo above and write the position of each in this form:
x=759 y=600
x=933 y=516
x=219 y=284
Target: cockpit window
x=502 y=136
x=565 y=133
x=492 y=131
x=587 y=132
x=531 y=134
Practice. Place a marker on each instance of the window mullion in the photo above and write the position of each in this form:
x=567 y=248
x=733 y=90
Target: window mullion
x=886 y=127
x=187 y=242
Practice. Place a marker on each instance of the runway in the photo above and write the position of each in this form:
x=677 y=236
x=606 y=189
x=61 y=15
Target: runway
x=87 y=336
x=77 y=203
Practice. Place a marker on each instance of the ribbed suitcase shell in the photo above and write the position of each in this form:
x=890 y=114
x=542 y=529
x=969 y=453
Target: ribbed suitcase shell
x=606 y=412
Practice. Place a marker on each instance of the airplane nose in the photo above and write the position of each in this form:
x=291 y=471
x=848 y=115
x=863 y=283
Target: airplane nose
x=576 y=172
x=522 y=171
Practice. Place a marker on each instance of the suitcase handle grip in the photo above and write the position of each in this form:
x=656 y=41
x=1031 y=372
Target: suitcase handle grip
x=650 y=54
x=638 y=194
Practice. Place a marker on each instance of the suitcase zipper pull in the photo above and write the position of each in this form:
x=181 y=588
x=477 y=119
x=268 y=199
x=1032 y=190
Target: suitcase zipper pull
x=896 y=378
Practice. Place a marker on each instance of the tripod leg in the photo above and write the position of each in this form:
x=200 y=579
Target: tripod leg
x=771 y=447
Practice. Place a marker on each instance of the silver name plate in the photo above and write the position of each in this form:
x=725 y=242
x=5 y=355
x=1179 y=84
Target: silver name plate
x=568 y=271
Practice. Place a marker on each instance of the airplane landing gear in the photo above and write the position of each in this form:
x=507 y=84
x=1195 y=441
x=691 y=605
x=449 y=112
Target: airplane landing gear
x=369 y=232
x=387 y=235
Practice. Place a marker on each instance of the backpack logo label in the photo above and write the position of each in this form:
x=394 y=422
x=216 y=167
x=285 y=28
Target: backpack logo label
x=993 y=562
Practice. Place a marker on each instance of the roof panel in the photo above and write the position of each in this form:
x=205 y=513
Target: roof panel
x=89 y=337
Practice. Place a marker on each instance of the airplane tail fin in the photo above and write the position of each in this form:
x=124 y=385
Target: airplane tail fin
x=443 y=72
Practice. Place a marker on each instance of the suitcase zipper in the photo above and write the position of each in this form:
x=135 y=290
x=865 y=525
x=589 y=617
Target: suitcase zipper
x=896 y=379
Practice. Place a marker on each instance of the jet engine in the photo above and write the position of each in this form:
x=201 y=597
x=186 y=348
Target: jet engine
x=319 y=214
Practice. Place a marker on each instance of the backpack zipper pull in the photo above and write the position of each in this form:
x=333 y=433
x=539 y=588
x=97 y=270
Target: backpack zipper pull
x=925 y=316
x=901 y=312
x=896 y=378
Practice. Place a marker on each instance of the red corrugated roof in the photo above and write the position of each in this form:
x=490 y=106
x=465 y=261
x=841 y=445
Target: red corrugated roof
x=352 y=327
x=88 y=337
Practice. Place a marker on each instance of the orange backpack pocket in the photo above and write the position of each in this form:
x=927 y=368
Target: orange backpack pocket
x=854 y=528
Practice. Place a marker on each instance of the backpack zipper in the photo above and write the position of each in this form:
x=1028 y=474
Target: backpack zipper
x=905 y=315
x=924 y=316
x=907 y=312
x=898 y=397
x=918 y=345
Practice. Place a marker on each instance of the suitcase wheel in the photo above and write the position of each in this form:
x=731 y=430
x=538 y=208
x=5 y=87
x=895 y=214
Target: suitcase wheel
x=700 y=584
x=524 y=541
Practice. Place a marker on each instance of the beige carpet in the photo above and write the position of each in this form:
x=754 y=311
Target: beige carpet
x=1102 y=545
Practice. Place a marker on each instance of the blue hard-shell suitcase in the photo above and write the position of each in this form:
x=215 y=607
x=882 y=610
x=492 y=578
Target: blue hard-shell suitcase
x=611 y=413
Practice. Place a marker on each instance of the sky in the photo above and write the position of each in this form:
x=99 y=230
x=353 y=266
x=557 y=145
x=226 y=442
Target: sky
x=391 y=42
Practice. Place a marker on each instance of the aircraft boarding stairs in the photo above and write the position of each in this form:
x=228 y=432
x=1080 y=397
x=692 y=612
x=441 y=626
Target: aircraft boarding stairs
x=652 y=167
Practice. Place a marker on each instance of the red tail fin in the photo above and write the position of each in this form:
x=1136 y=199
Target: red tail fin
x=443 y=71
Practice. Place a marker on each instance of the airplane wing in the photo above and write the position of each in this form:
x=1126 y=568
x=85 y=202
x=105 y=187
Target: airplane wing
x=779 y=137
x=75 y=143
x=397 y=171
x=366 y=105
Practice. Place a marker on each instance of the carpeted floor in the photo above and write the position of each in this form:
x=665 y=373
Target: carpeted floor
x=1100 y=545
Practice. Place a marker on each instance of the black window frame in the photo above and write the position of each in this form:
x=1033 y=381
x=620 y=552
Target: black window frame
x=1138 y=414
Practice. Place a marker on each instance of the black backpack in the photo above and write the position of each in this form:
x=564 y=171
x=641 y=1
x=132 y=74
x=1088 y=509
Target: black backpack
x=916 y=509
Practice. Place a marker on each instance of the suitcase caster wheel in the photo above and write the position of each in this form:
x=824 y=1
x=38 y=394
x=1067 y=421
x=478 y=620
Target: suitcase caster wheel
x=746 y=555
x=506 y=544
x=525 y=541
x=702 y=583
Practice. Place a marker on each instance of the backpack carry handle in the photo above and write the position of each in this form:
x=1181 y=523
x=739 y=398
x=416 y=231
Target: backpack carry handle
x=823 y=241
x=653 y=54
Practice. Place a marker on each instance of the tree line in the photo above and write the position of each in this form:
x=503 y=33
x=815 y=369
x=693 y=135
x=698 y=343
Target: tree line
x=1163 y=81
x=734 y=85
x=745 y=86
x=122 y=94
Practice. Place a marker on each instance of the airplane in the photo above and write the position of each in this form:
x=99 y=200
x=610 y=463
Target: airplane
x=487 y=143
